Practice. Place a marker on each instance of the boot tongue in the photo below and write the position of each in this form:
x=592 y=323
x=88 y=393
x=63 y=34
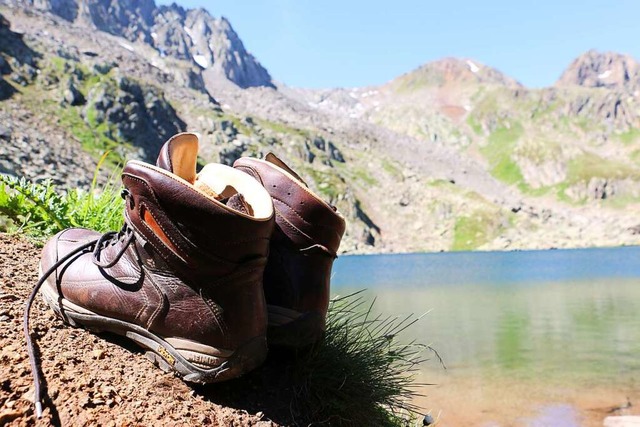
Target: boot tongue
x=179 y=156
x=229 y=196
x=238 y=202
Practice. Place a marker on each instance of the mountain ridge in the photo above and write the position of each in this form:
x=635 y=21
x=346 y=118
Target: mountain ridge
x=138 y=20
x=188 y=34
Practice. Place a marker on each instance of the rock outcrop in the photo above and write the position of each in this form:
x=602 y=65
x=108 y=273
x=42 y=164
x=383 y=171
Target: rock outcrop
x=209 y=42
x=17 y=60
x=133 y=112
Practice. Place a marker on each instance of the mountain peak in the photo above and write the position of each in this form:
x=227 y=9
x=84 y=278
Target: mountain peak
x=173 y=7
x=188 y=34
x=447 y=71
x=602 y=69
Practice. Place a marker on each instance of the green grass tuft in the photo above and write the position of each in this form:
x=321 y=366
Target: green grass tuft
x=360 y=374
x=481 y=226
x=92 y=136
x=363 y=176
x=391 y=168
x=506 y=170
x=41 y=210
x=590 y=165
x=474 y=125
x=283 y=129
x=329 y=184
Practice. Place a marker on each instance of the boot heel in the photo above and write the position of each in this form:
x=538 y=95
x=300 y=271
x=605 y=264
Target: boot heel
x=289 y=328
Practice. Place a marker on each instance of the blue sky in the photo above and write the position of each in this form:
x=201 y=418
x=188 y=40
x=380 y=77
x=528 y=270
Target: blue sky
x=333 y=43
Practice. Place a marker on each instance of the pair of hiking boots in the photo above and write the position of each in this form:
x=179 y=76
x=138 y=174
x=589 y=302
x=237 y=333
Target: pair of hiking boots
x=207 y=268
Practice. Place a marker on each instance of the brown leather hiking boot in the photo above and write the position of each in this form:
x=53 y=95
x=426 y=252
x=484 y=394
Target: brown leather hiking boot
x=183 y=278
x=304 y=244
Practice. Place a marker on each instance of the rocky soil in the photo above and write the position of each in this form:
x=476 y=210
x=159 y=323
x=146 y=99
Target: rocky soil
x=106 y=380
x=98 y=380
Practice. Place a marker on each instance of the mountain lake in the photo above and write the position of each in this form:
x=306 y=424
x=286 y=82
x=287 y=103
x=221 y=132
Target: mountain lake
x=529 y=338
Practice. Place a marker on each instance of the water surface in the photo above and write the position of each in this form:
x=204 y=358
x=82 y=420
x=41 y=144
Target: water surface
x=527 y=331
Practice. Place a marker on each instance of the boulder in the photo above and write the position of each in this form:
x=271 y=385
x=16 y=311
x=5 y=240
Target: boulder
x=71 y=94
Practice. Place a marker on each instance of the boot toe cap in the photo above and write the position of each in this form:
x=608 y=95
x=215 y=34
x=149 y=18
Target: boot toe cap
x=64 y=242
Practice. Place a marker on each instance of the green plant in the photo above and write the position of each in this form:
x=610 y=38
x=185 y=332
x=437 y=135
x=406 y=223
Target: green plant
x=479 y=227
x=41 y=209
x=283 y=129
x=391 y=168
x=93 y=136
x=469 y=233
x=363 y=176
x=359 y=374
x=590 y=165
x=329 y=184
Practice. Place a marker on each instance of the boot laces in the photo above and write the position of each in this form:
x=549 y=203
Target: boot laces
x=125 y=235
x=96 y=246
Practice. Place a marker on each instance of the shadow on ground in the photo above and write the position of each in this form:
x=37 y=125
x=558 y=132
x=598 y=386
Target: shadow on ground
x=356 y=375
x=275 y=389
x=281 y=389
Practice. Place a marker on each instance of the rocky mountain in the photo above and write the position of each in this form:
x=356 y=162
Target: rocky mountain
x=192 y=35
x=452 y=72
x=454 y=155
x=531 y=167
x=602 y=69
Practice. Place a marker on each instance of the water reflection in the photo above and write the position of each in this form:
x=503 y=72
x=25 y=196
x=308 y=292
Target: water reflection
x=567 y=319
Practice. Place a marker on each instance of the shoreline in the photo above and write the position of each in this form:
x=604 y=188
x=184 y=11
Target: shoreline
x=501 y=402
x=481 y=251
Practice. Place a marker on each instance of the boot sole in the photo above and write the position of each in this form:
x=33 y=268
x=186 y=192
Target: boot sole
x=292 y=329
x=245 y=358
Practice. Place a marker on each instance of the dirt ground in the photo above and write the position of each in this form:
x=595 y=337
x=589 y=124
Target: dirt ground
x=103 y=380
